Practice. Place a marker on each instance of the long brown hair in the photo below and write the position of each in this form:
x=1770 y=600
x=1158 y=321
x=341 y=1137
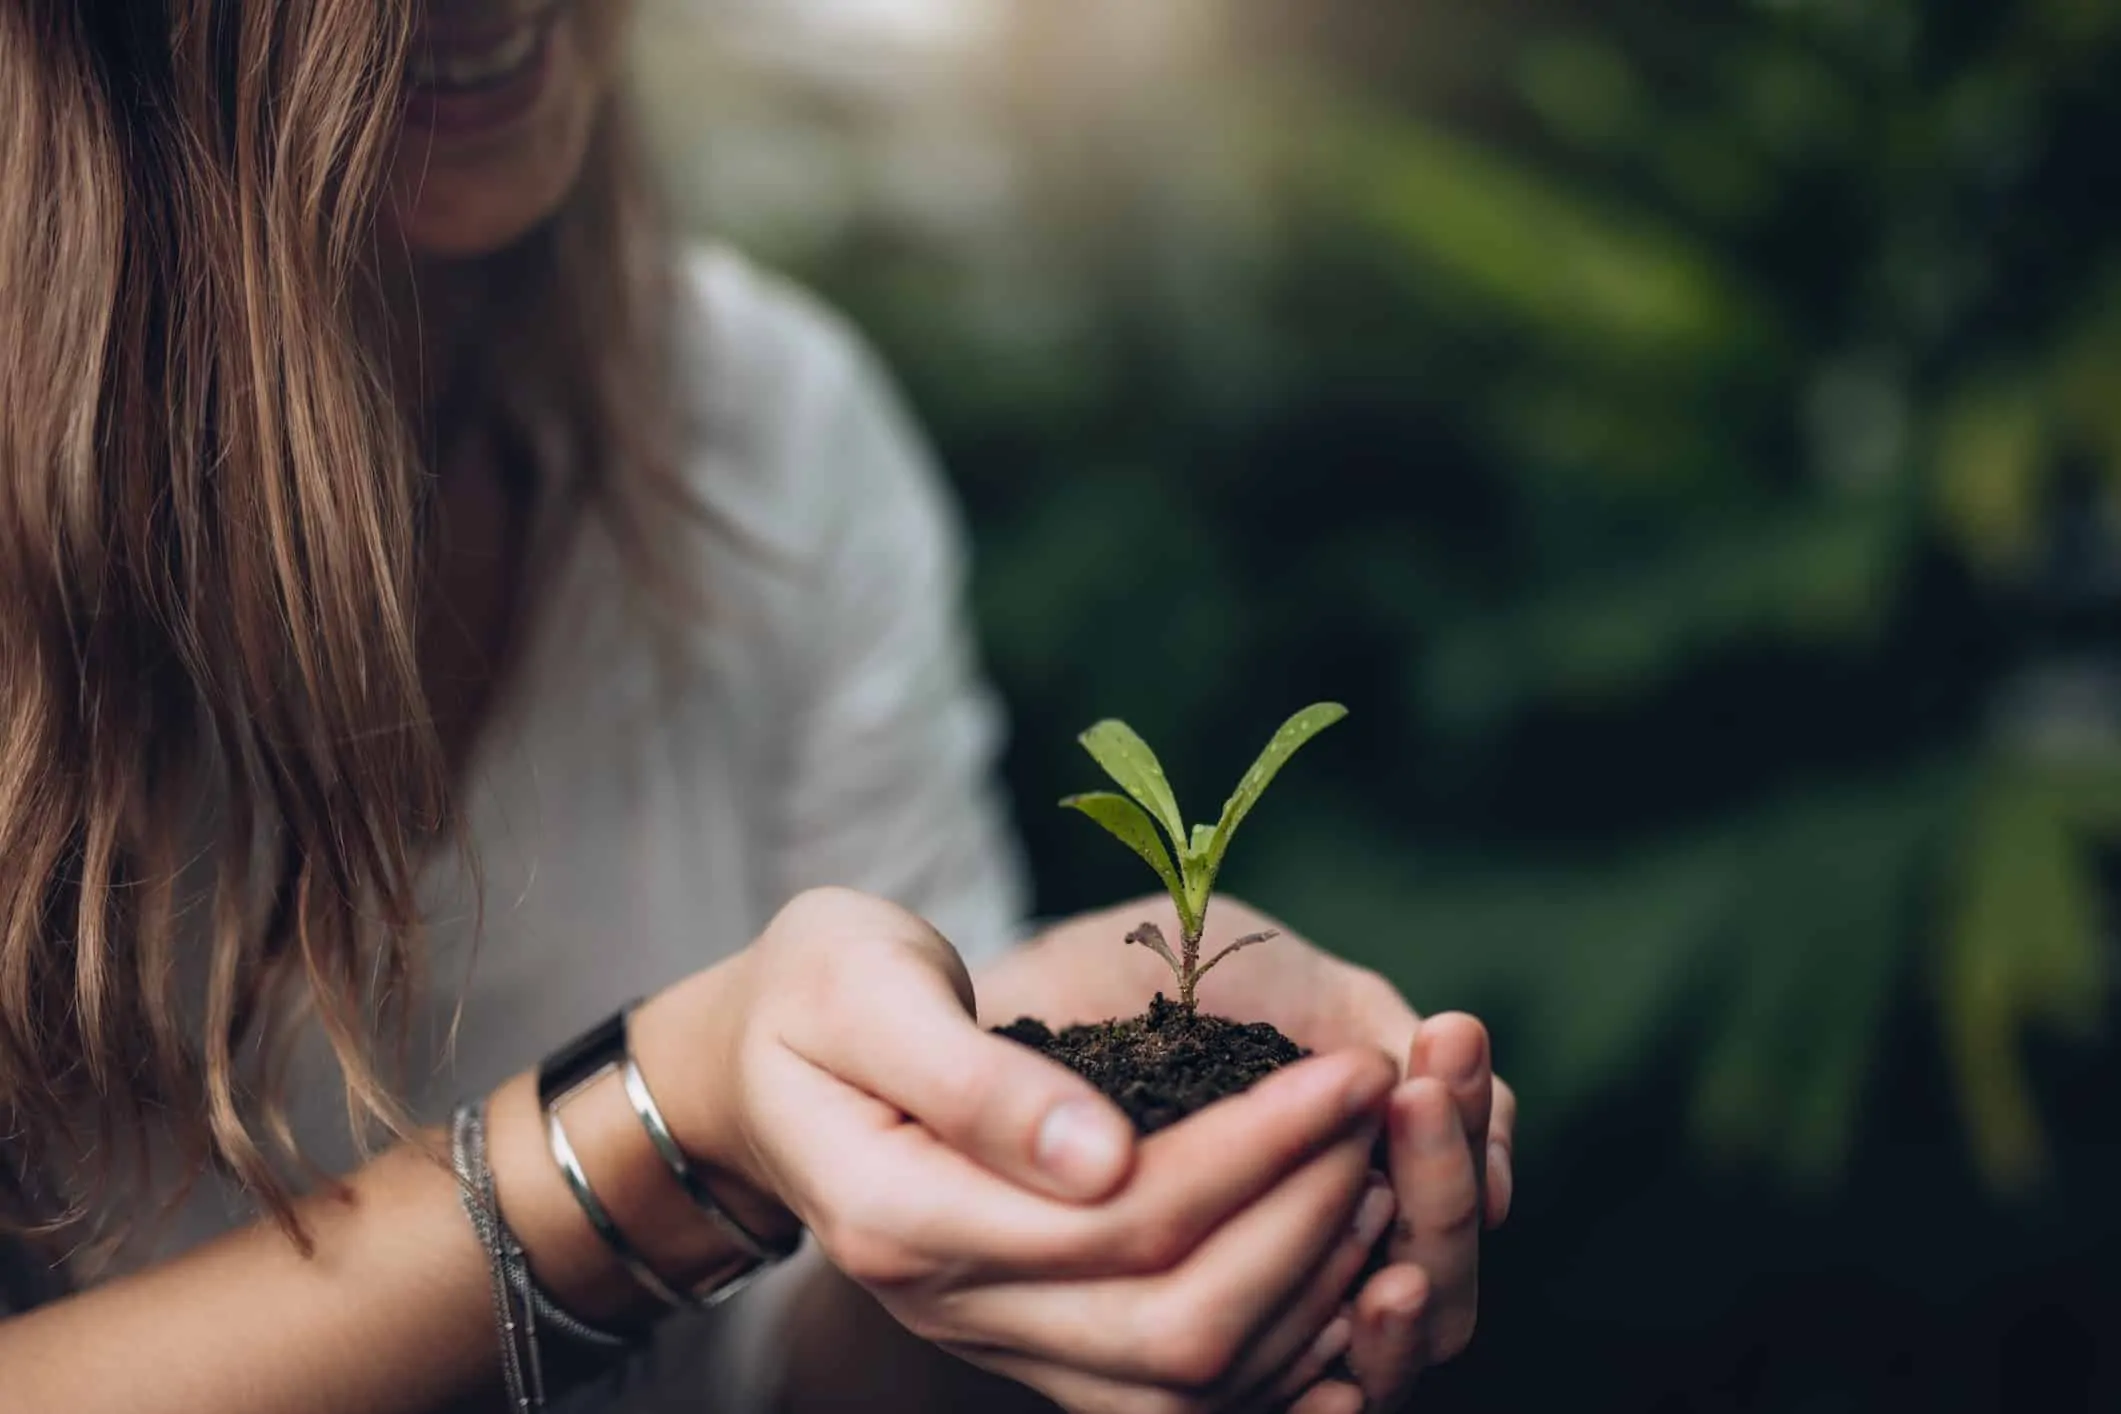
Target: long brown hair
x=210 y=501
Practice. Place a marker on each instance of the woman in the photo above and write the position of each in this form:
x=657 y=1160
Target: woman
x=372 y=483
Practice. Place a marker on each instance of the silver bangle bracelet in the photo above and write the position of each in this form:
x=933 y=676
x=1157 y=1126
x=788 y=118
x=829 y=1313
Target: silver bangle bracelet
x=573 y=1068
x=644 y=1276
x=651 y=1117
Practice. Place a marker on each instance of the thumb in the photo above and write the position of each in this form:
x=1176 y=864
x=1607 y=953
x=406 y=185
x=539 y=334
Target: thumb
x=916 y=1044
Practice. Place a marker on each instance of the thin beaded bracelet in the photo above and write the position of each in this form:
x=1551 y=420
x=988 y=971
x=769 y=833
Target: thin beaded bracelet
x=522 y=1371
x=523 y=1310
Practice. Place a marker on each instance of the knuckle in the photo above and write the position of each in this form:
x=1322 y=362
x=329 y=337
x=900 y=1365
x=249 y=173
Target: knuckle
x=1459 y=1224
x=932 y=949
x=1375 y=986
x=869 y=1254
x=927 y=1322
x=811 y=907
x=849 y=924
x=1147 y=1247
x=824 y=997
x=957 y=1098
x=1185 y=1348
x=876 y=1262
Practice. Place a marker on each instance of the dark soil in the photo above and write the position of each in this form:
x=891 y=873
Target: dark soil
x=1164 y=1064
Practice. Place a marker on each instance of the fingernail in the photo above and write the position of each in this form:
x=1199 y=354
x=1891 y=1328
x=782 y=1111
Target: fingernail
x=1499 y=1179
x=1373 y=1215
x=1078 y=1144
x=1465 y=1069
x=1333 y=1341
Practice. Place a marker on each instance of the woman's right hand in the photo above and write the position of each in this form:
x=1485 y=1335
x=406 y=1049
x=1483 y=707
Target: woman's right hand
x=996 y=1204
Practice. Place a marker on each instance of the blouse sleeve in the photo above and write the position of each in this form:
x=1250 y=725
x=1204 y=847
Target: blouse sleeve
x=891 y=781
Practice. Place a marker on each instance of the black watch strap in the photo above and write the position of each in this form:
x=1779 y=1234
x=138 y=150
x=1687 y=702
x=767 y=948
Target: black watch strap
x=588 y=1057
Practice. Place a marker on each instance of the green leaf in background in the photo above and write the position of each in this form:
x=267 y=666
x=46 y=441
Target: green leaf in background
x=1815 y=934
x=1128 y=760
x=1511 y=242
x=1992 y=472
x=2022 y=945
x=1583 y=87
x=1131 y=826
x=1824 y=575
x=1285 y=743
x=1777 y=940
x=1589 y=963
x=1644 y=372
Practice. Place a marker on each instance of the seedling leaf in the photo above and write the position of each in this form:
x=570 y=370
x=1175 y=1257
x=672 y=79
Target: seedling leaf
x=1152 y=937
x=1128 y=760
x=1131 y=826
x=1285 y=743
x=1249 y=940
x=1188 y=868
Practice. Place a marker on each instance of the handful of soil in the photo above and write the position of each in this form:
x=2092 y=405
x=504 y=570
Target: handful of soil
x=1167 y=1062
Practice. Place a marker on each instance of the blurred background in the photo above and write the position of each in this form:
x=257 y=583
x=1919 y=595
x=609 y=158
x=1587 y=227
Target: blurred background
x=1689 y=439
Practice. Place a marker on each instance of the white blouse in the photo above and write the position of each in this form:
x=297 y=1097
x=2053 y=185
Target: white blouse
x=637 y=818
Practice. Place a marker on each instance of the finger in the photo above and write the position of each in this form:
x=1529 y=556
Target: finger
x=1433 y=1171
x=1309 y=1368
x=1388 y=1339
x=1185 y=1329
x=1072 y=1390
x=1502 y=1141
x=1303 y=1322
x=1371 y=1006
x=1334 y=1397
x=899 y=1025
x=890 y=1201
x=1081 y=1393
x=1200 y=1173
x=1453 y=1047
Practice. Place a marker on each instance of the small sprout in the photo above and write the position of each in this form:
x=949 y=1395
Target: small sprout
x=1194 y=858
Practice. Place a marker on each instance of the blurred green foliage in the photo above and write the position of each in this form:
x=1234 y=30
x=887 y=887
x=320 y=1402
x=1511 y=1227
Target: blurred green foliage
x=1657 y=424
x=1688 y=437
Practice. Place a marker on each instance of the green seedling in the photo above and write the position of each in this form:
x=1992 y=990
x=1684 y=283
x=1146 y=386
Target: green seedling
x=1199 y=852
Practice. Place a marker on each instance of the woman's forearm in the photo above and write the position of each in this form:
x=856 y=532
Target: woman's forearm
x=393 y=1311
x=393 y=1314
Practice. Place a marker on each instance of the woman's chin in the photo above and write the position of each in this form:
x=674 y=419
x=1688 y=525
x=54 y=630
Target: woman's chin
x=465 y=211
x=464 y=235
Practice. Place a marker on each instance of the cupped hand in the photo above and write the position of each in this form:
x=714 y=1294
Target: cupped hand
x=998 y=1206
x=1451 y=1120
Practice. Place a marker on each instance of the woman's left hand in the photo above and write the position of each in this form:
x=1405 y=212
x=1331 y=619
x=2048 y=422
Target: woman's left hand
x=1452 y=1120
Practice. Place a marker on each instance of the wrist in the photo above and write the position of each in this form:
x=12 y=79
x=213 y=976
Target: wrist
x=564 y=1251
x=631 y=1186
x=686 y=1041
